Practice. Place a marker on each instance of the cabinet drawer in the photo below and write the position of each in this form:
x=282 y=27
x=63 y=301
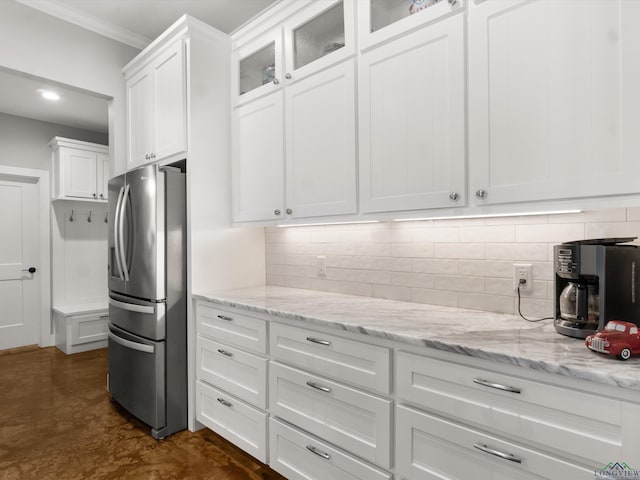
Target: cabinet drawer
x=431 y=448
x=239 y=373
x=345 y=360
x=241 y=424
x=232 y=328
x=297 y=455
x=349 y=418
x=89 y=328
x=577 y=423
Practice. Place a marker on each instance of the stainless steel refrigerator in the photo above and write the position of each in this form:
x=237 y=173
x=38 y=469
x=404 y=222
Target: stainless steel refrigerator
x=147 y=296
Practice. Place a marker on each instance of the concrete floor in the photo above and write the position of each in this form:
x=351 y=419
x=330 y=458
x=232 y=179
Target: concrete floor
x=58 y=422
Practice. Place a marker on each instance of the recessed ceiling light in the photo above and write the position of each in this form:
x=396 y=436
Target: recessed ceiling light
x=49 y=95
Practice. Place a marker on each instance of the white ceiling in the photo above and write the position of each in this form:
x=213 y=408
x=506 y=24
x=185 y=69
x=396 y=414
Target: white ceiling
x=134 y=22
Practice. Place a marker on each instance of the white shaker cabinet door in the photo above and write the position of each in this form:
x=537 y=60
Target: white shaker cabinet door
x=321 y=143
x=79 y=173
x=412 y=121
x=169 y=103
x=258 y=159
x=554 y=104
x=139 y=121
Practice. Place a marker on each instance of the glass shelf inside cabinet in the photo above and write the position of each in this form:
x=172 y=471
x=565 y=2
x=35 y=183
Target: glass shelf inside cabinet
x=320 y=36
x=257 y=69
x=386 y=12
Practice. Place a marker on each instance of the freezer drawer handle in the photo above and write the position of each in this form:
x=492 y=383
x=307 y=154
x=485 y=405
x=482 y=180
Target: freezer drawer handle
x=319 y=387
x=224 y=317
x=141 y=347
x=132 y=307
x=497 y=386
x=224 y=402
x=497 y=453
x=318 y=341
x=225 y=353
x=313 y=449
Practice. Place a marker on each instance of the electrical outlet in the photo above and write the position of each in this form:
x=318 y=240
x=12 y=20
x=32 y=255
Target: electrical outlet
x=522 y=276
x=321 y=263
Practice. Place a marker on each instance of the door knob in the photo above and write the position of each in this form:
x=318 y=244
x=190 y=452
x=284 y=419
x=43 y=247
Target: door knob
x=30 y=270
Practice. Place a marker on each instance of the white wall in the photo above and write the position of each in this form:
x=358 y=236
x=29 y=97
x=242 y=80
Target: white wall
x=24 y=142
x=458 y=263
x=41 y=45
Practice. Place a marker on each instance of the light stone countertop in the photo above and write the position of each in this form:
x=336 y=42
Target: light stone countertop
x=492 y=336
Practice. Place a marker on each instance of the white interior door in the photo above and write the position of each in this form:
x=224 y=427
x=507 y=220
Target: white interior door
x=19 y=289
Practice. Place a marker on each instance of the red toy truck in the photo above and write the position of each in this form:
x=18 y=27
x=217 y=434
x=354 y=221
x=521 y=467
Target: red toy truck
x=618 y=338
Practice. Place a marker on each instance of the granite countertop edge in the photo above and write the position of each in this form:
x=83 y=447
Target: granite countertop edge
x=589 y=366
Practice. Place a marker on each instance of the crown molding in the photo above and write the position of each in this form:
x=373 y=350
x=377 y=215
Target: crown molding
x=58 y=9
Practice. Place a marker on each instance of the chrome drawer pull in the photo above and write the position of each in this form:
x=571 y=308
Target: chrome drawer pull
x=224 y=317
x=319 y=387
x=224 y=402
x=497 y=453
x=318 y=341
x=497 y=386
x=225 y=353
x=313 y=449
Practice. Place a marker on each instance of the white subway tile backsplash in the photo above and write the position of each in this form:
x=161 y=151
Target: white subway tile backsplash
x=556 y=233
x=466 y=263
x=412 y=249
x=457 y=283
x=460 y=250
x=486 y=234
x=435 y=265
x=421 y=280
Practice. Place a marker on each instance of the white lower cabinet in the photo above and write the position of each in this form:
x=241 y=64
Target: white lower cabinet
x=349 y=418
x=299 y=456
x=233 y=419
x=239 y=373
x=79 y=330
x=431 y=448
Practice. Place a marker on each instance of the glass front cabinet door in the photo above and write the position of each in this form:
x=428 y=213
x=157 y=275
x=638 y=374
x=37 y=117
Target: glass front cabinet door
x=257 y=67
x=380 y=20
x=319 y=36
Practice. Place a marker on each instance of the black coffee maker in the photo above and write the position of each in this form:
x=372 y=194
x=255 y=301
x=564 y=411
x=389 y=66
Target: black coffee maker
x=595 y=281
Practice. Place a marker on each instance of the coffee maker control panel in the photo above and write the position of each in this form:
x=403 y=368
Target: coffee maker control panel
x=567 y=259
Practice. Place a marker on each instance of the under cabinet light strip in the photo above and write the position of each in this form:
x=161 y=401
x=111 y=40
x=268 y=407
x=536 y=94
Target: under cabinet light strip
x=489 y=215
x=329 y=223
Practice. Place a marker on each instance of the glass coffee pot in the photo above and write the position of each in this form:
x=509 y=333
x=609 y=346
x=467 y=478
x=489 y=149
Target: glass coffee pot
x=580 y=302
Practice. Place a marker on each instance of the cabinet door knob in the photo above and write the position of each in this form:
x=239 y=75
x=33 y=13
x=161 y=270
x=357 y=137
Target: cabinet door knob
x=481 y=194
x=453 y=196
x=102 y=195
x=153 y=155
x=289 y=211
x=277 y=212
x=276 y=81
x=287 y=76
x=452 y=2
x=146 y=157
x=95 y=196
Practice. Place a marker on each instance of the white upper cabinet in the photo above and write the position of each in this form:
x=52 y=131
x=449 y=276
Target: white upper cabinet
x=318 y=37
x=80 y=170
x=294 y=123
x=258 y=159
x=381 y=20
x=156 y=107
x=554 y=103
x=256 y=68
x=320 y=120
x=412 y=120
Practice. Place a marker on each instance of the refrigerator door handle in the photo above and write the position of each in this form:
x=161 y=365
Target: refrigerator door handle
x=140 y=347
x=132 y=307
x=115 y=234
x=123 y=259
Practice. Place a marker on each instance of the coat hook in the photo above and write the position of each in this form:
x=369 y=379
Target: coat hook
x=89 y=219
x=71 y=216
x=106 y=217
